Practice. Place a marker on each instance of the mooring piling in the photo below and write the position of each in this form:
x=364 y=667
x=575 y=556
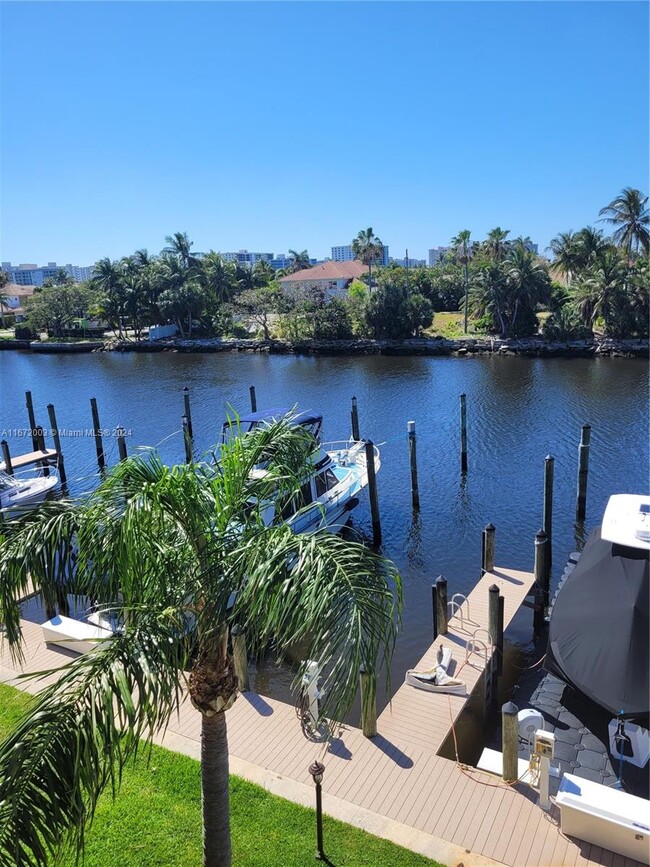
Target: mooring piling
x=32 y=419
x=240 y=657
x=6 y=457
x=415 y=494
x=493 y=629
x=510 y=742
x=372 y=490
x=97 y=434
x=40 y=439
x=187 y=439
x=463 y=433
x=355 y=420
x=60 y=463
x=583 y=473
x=120 y=433
x=542 y=574
x=253 y=398
x=188 y=411
x=487 y=560
x=549 y=463
x=439 y=606
x=368 y=686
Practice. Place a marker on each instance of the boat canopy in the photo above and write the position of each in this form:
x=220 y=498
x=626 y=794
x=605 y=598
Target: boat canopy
x=598 y=632
x=247 y=421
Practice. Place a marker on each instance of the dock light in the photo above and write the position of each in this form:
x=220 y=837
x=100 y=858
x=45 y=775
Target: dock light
x=317 y=769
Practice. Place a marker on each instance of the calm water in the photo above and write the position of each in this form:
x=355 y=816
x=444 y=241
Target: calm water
x=519 y=410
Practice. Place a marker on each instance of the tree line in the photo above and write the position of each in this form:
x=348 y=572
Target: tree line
x=592 y=282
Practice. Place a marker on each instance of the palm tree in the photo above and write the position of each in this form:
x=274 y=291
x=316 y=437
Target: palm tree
x=300 y=261
x=368 y=249
x=4 y=281
x=179 y=245
x=495 y=244
x=167 y=550
x=567 y=255
x=62 y=278
x=629 y=213
x=108 y=278
x=527 y=284
x=603 y=284
x=460 y=245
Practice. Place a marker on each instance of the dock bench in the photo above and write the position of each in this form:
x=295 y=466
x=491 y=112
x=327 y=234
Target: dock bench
x=73 y=634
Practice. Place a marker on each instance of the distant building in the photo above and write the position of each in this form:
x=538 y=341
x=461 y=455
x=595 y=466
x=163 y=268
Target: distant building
x=408 y=263
x=35 y=275
x=329 y=278
x=246 y=259
x=436 y=254
x=344 y=254
x=282 y=261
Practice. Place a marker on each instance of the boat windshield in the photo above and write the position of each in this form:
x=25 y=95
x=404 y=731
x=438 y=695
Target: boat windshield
x=7 y=482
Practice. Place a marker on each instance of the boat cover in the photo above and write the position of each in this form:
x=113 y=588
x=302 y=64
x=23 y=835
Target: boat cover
x=269 y=414
x=598 y=631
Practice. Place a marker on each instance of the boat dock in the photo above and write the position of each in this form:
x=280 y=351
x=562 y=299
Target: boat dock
x=395 y=785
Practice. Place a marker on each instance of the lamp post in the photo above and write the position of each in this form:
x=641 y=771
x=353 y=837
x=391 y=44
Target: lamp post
x=317 y=770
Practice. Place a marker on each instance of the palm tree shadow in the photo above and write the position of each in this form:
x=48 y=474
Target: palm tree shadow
x=257 y=703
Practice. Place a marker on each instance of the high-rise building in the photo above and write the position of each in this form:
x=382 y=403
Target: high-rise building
x=243 y=257
x=343 y=253
x=436 y=254
x=410 y=263
x=35 y=275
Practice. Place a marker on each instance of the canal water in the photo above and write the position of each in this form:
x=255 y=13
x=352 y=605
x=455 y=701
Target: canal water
x=518 y=411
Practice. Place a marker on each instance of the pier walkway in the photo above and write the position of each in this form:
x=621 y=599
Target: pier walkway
x=394 y=785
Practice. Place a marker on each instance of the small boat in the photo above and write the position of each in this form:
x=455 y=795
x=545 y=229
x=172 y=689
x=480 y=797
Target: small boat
x=436 y=679
x=21 y=494
x=340 y=473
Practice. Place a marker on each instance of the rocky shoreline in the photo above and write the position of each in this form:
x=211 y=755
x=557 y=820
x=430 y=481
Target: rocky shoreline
x=469 y=347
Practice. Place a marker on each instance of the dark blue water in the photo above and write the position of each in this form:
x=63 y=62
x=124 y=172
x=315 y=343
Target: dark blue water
x=519 y=410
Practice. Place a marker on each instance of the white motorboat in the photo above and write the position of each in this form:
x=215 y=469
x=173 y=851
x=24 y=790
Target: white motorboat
x=340 y=473
x=19 y=494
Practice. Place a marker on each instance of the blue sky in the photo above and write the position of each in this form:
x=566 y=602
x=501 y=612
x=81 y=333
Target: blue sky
x=275 y=125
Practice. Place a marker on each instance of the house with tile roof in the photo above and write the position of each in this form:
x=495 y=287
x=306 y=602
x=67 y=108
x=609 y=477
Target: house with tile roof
x=330 y=279
x=13 y=301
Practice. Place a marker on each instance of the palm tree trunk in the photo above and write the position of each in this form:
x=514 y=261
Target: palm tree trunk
x=369 y=278
x=214 y=788
x=466 y=294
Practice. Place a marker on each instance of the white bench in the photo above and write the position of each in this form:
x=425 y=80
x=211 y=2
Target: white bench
x=73 y=634
x=607 y=817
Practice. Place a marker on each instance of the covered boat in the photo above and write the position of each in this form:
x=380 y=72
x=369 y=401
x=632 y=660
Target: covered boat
x=599 y=627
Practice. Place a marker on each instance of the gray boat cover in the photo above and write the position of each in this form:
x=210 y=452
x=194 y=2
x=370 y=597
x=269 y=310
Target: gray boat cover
x=598 y=639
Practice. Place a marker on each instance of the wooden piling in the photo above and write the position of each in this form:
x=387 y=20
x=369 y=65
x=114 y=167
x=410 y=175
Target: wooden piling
x=493 y=629
x=187 y=439
x=60 y=463
x=97 y=434
x=368 y=684
x=547 y=525
x=583 y=473
x=188 y=411
x=32 y=419
x=253 y=398
x=542 y=566
x=121 y=442
x=487 y=561
x=439 y=604
x=510 y=742
x=6 y=457
x=372 y=490
x=40 y=439
x=355 y=421
x=502 y=605
x=240 y=657
x=463 y=433
x=415 y=494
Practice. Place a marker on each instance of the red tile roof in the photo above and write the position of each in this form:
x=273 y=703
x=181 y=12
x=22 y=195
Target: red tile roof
x=328 y=271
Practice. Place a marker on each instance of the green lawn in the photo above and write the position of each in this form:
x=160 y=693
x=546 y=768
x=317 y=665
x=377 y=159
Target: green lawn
x=155 y=820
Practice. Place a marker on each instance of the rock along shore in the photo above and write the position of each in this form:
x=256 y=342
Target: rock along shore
x=469 y=347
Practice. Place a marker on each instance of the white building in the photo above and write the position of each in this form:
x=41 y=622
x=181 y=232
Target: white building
x=243 y=257
x=409 y=263
x=35 y=275
x=344 y=253
x=436 y=254
x=14 y=300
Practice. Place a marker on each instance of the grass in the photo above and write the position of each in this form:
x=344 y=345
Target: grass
x=155 y=819
x=449 y=325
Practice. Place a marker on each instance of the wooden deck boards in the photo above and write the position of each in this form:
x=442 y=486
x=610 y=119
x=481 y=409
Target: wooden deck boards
x=48 y=456
x=397 y=775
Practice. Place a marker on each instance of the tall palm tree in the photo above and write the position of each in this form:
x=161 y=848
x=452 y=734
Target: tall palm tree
x=460 y=245
x=527 y=283
x=629 y=213
x=495 y=244
x=567 y=255
x=368 y=249
x=4 y=281
x=300 y=261
x=167 y=550
x=179 y=245
x=592 y=244
x=601 y=286
x=108 y=278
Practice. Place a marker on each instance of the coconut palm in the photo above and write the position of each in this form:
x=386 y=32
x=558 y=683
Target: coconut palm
x=629 y=213
x=108 y=278
x=167 y=550
x=368 y=249
x=460 y=246
x=4 y=298
x=600 y=289
x=300 y=261
x=527 y=284
x=218 y=277
x=567 y=255
x=179 y=245
x=495 y=244
x=592 y=244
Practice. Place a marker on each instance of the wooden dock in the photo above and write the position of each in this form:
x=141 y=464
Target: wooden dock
x=395 y=784
x=44 y=456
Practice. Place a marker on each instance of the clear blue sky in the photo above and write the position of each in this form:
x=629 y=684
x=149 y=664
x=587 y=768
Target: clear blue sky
x=276 y=125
